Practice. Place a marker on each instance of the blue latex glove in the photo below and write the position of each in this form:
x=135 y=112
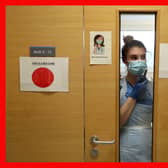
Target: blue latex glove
x=137 y=89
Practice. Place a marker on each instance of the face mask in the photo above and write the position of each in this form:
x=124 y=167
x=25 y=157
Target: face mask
x=137 y=67
x=99 y=41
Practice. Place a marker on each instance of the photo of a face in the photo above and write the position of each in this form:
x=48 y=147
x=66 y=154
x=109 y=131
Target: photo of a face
x=98 y=45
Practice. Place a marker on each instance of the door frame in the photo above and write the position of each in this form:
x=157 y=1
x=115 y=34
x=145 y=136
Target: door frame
x=156 y=73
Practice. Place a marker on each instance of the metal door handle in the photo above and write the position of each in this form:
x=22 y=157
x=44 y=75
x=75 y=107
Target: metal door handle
x=95 y=140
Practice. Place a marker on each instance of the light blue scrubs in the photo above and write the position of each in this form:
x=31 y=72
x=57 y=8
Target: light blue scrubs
x=136 y=134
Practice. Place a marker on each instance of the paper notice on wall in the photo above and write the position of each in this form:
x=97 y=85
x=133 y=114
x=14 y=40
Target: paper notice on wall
x=163 y=60
x=44 y=74
x=100 y=47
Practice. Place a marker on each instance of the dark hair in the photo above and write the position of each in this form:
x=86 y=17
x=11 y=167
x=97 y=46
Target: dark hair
x=95 y=38
x=130 y=43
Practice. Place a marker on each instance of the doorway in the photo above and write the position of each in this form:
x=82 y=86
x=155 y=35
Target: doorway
x=137 y=26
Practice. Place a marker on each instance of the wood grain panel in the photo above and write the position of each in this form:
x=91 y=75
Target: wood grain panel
x=161 y=152
x=50 y=126
x=45 y=127
x=100 y=86
x=99 y=101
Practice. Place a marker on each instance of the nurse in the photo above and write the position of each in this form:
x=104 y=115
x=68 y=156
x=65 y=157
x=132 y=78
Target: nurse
x=136 y=100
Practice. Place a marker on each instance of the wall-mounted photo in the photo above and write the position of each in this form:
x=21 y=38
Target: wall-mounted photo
x=100 y=47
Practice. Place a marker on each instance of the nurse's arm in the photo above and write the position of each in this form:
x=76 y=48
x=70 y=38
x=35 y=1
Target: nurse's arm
x=126 y=110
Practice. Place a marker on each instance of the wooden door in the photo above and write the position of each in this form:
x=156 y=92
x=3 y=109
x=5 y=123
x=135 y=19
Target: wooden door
x=57 y=127
x=101 y=87
x=44 y=127
x=161 y=113
x=50 y=126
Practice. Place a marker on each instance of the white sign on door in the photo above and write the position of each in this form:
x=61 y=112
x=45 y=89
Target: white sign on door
x=44 y=74
x=163 y=60
x=100 y=47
